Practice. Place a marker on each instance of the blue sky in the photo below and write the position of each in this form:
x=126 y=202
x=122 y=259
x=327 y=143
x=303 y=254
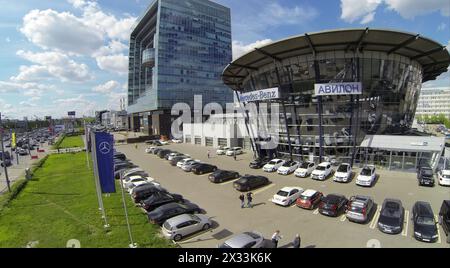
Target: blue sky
x=66 y=55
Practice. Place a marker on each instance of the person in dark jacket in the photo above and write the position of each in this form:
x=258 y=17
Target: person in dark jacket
x=297 y=241
x=242 y=198
x=249 y=199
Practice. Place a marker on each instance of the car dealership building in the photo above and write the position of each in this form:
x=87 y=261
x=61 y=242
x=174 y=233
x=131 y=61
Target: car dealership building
x=339 y=90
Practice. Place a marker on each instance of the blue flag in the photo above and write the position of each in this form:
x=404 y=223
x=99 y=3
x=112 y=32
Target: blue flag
x=105 y=163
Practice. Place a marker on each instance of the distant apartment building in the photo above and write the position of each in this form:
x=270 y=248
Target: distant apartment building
x=434 y=101
x=178 y=49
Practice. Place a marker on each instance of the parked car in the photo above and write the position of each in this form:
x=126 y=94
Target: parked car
x=288 y=167
x=359 y=208
x=258 y=163
x=425 y=228
x=250 y=182
x=190 y=164
x=343 y=173
x=444 y=218
x=444 y=177
x=144 y=191
x=425 y=176
x=22 y=152
x=322 y=171
x=305 y=169
x=184 y=161
x=173 y=155
x=244 y=240
x=367 y=176
x=130 y=172
x=167 y=211
x=222 y=150
x=177 y=141
x=160 y=198
x=332 y=205
x=234 y=151
x=128 y=181
x=162 y=153
x=287 y=196
x=150 y=150
x=392 y=216
x=120 y=156
x=309 y=199
x=123 y=165
x=175 y=160
x=157 y=150
x=203 y=168
x=219 y=176
x=183 y=225
x=147 y=180
x=273 y=165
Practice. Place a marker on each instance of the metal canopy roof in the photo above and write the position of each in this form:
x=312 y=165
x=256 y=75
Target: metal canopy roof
x=433 y=56
x=404 y=143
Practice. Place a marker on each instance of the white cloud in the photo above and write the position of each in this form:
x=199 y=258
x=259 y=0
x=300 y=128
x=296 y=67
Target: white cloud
x=27 y=104
x=108 y=87
x=51 y=64
x=14 y=87
x=114 y=47
x=364 y=10
x=275 y=14
x=239 y=48
x=8 y=40
x=113 y=63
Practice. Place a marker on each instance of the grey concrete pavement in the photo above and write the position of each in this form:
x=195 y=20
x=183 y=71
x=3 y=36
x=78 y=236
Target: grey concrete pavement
x=222 y=204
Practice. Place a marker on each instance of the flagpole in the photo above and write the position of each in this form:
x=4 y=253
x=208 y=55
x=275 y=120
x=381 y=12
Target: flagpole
x=86 y=144
x=97 y=181
x=132 y=244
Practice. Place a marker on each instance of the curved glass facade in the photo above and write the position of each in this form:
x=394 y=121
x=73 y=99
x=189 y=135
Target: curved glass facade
x=391 y=87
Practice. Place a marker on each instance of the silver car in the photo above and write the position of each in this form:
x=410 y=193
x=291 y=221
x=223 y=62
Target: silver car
x=180 y=226
x=189 y=165
x=359 y=208
x=244 y=240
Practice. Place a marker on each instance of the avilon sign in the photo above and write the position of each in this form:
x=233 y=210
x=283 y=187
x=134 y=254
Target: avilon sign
x=346 y=88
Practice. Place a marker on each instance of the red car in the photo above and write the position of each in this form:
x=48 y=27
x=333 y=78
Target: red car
x=309 y=199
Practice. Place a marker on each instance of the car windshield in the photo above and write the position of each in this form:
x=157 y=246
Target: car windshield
x=243 y=180
x=304 y=197
x=427 y=172
x=392 y=206
x=356 y=207
x=342 y=168
x=138 y=180
x=366 y=172
x=273 y=162
x=289 y=164
x=282 y=193
x=389 y=220
x=320 y=168
x=304 y=165
x=224 y=245
x=425 y=221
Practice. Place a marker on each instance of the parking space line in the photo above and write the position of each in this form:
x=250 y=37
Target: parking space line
x=438 y=232
x=316 y=211
x=264 y=188
x=375 y=219
x=293 y=205
x=406 y=224
x=228 y=182
x=343 y=218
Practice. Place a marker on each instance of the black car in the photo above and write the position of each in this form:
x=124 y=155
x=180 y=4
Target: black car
x=250 y=182
x=123 y=165
x=391 y=216
x=444 y=218
x=203 y=168
x=333 y=205
x=160 y=198
x=176 y=159
x=7 y=162
x=167 y=211
x=144 y=191
x=120 y=156
x=157 y=150
x=163 y=153
x=219 y=176
x=258 y=163
x=425 y=228
x=425 y=176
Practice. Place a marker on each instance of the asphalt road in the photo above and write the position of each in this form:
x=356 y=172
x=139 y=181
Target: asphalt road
x=222 y=204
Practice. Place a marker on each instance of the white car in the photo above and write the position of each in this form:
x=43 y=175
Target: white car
x=173 y=155
x=164 y=142
x=273 y=165
x=305 y=169
x=367 y=176
x=343 y=173
x=183 y=225
x=183 y=161
x=234 y=151
x=147 y=181
x=177 y=141
x=251 y=239
x=322 y=171
x=222 y=150
x=444 y=177
x=287 y=196
x=128 y=181
x=288 y=167
x=149 y=150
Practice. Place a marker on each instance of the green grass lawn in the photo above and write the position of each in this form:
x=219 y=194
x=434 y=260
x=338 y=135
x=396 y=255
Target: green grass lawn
x=72 y=142
x=60 y=204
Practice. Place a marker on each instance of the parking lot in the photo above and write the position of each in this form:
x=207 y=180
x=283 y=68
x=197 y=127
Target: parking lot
x=222 y=204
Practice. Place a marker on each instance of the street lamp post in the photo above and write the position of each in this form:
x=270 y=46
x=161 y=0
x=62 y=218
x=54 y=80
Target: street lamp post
x=3 y=155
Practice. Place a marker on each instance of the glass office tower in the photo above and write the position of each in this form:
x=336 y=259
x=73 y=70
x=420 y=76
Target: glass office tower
x=178 y=49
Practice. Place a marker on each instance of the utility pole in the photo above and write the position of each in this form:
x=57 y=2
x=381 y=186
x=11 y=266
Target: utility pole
x=3 y=154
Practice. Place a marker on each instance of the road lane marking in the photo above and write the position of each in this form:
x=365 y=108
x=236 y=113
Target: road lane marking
x=438 y=232
x=264 y=189
x=316 y=211
x=343 y=218
x=405 y=224
x=375 y=219
x=228 y=182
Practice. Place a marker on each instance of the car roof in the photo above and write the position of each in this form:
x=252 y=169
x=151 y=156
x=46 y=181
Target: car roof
x=324 y=164
x=290 y=188
x=424 y=208
x=240 y=239
x=309 y=192
x=174 y=221
x=360 y=200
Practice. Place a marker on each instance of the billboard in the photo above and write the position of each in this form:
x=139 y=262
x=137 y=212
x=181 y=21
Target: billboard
x=104 y=154
x=259 y=95
x=72 y=113
x=345 y=88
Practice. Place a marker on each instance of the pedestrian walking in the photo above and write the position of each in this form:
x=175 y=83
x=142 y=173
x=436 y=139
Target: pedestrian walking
x=209 y=152
x=249 y=199
x=296 y=242
x=275 y=238
x=234 y=155
x=136 y=146
x=242 y=198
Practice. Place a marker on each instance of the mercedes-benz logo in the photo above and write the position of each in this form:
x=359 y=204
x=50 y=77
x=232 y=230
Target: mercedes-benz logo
x=104 y=147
